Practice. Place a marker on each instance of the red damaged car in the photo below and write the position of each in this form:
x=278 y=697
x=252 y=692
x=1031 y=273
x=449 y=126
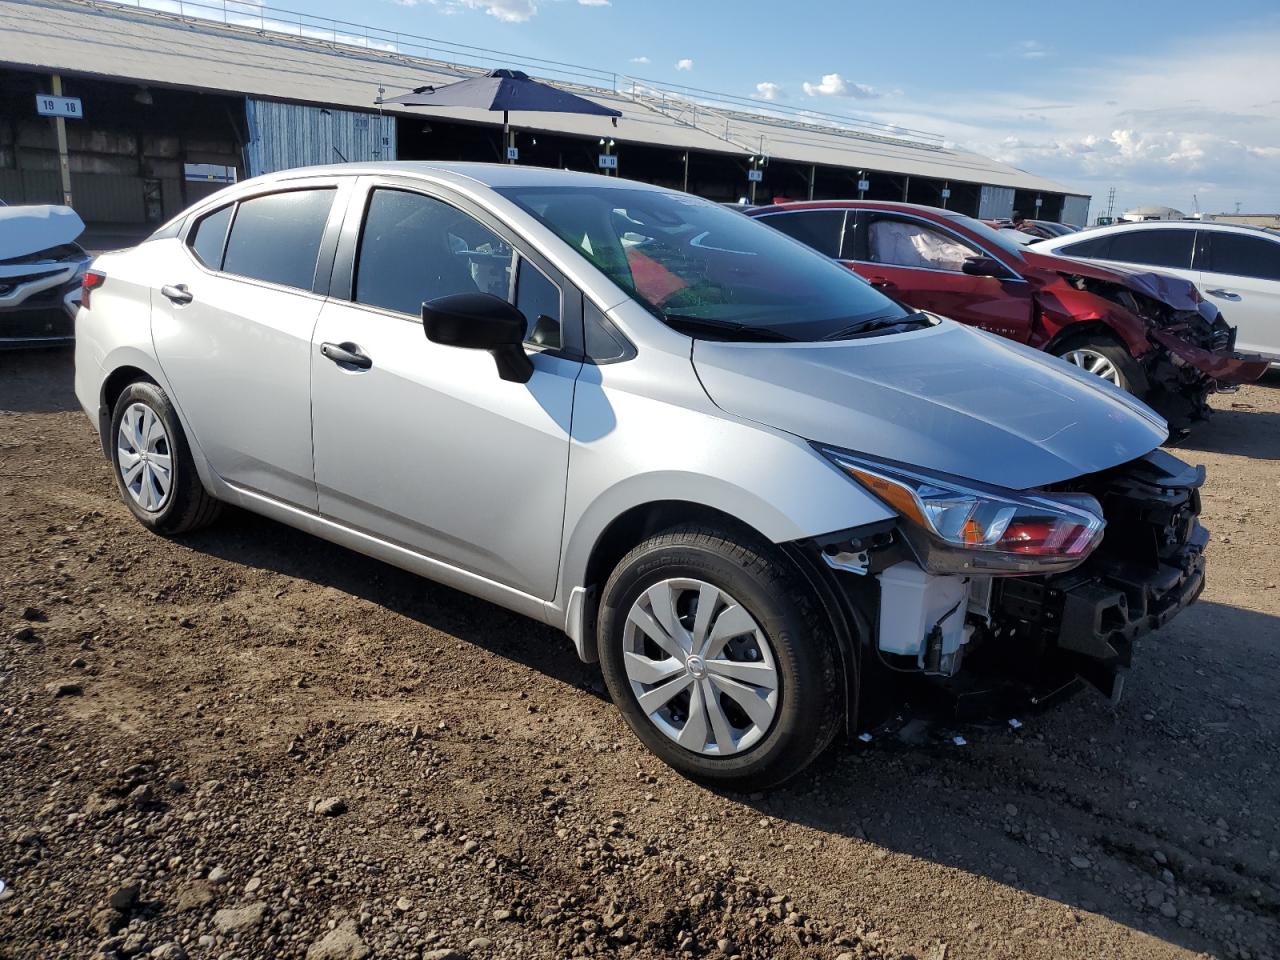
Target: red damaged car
x=1148 y=332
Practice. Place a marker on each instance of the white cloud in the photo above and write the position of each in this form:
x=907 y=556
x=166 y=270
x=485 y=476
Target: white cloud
x=834 y=85
x=596 y=3
x=1158 y=127
x=641 y=60
x=1032 y=50
x=768 y=90
x=686 y=64
x=508 y=11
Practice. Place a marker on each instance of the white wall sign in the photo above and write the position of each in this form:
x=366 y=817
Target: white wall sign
x=946 y=193
x=608 y=162
x=51 y=106
x=864 y=184
x=755 y=176
x=513 y=153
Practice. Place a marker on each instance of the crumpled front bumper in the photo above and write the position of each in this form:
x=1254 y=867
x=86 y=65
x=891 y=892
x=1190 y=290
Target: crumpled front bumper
x=1224 y=367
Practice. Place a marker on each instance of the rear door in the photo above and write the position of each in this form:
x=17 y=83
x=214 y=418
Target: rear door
x=426 y=446
x=921 y=263
x=1241 y=274
x=232 y=312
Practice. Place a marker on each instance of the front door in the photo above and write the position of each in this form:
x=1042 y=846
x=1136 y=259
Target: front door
x=921 y=265
x=422 y=444
x=232 y=312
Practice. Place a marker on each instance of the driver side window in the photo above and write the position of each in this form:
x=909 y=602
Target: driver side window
x=910 y=243
x=415 y=248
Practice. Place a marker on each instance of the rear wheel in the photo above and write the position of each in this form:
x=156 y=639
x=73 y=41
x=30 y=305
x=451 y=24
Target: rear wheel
x=152 y=463
x=1105 y=358
x=719 y=658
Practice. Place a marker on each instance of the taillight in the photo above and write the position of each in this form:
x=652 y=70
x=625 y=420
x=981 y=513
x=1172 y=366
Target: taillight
x=92 y=281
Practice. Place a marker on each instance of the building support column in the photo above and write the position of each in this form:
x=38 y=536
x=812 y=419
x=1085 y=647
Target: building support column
x=813 y=179
x=64 y=159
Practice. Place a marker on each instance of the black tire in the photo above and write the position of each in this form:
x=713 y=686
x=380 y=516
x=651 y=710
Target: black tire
x=188 y=506
x=764 y=582
x=1129 y=372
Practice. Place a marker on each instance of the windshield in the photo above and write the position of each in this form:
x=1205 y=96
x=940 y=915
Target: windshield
x=995 y=238
x=707 y=271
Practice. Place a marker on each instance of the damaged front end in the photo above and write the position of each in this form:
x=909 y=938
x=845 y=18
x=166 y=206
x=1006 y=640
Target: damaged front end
x=980 y=643
x=1189 y=350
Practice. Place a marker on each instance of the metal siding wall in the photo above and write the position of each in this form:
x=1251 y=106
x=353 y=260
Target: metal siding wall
x=108 y=198
x=1075 y=210
x=995 y=202
x=286 y=135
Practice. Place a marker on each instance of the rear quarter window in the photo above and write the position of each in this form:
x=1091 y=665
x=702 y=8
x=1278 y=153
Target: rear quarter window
x=1096 y=247
x=209 y=235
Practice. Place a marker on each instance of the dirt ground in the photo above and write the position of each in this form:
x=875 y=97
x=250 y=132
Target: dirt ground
x=248 y=743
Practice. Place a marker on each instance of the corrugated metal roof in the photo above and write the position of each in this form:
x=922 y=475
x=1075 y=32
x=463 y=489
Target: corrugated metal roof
x=150 y=47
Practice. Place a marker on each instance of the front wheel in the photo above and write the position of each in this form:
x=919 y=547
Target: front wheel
x=1105 y=358
x=719 y=658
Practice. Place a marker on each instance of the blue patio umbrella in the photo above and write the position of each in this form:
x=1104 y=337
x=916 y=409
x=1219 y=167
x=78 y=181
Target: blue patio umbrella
x=505 y=90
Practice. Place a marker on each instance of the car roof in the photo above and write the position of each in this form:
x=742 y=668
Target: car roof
x=1246 y=228
x=494 y=175
x=856 y=204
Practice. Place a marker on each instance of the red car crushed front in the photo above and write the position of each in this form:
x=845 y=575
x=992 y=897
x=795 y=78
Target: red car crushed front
x=1149 y=332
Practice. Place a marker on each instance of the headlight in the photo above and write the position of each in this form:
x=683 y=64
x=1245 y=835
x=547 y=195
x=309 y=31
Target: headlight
x=965 y=527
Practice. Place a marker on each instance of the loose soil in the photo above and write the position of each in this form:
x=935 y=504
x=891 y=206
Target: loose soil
x=248 y=743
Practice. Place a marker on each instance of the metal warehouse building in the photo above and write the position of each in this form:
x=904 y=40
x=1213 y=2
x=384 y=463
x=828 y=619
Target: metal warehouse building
x=178 y=101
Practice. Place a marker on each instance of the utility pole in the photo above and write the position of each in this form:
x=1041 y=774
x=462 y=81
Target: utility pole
x=64 y=160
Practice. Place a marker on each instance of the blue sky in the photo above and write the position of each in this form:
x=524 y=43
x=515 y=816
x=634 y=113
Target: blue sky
x=1161 y=100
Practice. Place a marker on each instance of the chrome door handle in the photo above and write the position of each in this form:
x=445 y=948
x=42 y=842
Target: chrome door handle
x=1223 y=294
x=346 y=355
x=178 y=293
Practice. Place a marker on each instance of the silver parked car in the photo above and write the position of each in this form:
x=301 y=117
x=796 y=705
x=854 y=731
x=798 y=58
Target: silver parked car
x=745 y=481
x=41 y=273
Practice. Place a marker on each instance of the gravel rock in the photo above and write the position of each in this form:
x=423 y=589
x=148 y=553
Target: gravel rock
x=341 y=943
x=237 y=919
x=123 y=898
x=443 y=955
x=64 y=688
x=331 y=807
x=1081 y=863
x=195 y=895
x=217 y=876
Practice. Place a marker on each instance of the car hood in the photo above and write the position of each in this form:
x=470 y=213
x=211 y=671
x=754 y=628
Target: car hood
x=30 y=229
x=949 y=399
x=1174 y=291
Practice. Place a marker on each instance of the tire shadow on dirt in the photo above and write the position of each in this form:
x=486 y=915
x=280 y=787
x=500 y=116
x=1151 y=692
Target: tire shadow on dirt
x=245 y=539
x=1240 y=430
x=1156 y=814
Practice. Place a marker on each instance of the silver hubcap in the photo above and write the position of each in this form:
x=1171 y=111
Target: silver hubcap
x=145 y=457
x=1093 y=362
x=700 y=667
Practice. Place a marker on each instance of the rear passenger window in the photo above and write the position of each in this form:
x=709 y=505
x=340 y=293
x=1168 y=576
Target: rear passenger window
x=1097 y=247
x=820 y=229
x=1244 y=256
x=208 y=236
x=1153 y=248
x=277 y=237
x=910 y=243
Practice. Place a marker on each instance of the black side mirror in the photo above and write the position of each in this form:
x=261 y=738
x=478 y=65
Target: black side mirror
x=481 y=321
x=984 y=267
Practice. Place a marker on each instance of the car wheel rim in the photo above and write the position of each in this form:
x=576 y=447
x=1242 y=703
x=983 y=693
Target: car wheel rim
x=145 y=457
x=1093 y=362
x=700 y=667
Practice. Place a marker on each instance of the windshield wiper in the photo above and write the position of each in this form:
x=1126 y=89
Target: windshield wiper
x=728 y=329
x=874 y=324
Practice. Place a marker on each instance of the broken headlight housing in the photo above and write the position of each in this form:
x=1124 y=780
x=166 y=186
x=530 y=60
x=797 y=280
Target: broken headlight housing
x=961 y=527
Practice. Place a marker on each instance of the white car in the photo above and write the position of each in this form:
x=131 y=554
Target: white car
x=1236 y=267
